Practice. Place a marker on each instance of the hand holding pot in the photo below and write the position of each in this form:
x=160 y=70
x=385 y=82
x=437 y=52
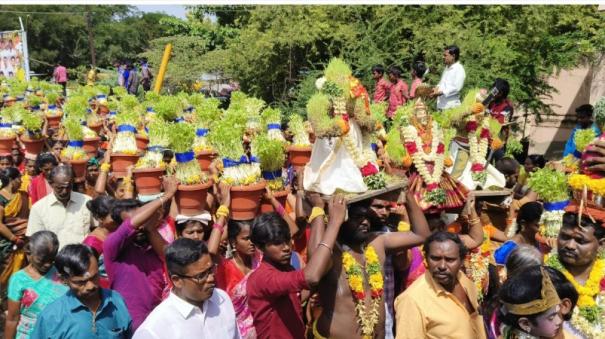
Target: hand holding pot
x=315 y=199
x=224 y=192
x=170 y=184
x=338 y=209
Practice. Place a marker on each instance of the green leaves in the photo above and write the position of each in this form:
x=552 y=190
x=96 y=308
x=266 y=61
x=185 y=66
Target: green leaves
x=181 y=137
x=269 y=152
x=550 y=185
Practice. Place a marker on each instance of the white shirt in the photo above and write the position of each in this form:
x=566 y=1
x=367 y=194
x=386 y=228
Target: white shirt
x=452 y=80
x=175 y=318
x=71 y=224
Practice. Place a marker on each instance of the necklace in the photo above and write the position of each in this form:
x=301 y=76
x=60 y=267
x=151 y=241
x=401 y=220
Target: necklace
x=367 y=317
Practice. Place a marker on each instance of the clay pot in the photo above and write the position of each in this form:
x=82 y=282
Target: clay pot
x=148 y=180
x=299 y=156
x=281 y=196
x=91 y=146
x=6 y=145
x=245 y=200
x=33 y=146
x=191 y=199
x=120 y=163
x=79 y=167
x=205 y=158
x=142 y=142
x=54 y=121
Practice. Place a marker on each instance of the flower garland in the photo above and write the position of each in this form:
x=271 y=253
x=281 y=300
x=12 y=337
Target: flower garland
x=362 y=159
x=588 y=318
x=478 y=261
x=478 y=145
x=550 y=223
x=578 y=181
x=367 y=317
x=433 y=149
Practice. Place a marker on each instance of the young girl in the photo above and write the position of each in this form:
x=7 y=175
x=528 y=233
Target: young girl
x=31 y=289
x=40 y=187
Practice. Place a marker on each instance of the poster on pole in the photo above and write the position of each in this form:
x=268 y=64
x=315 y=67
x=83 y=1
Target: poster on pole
x=13 y=57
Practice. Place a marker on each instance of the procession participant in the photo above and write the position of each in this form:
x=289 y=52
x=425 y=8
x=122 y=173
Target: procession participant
x=443 y=302
x=419 y=70
x=39 y=187
x=452 y=79
x=398 y=91
x=528 y=224
x=101 y=208
x=584 y=116
x=381 y=91
x=356 y=252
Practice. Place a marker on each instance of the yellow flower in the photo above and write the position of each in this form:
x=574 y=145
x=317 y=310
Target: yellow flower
x=371 y=256
x=585 y=301
x=347 y=261
x=376 y=281
x=356 y=283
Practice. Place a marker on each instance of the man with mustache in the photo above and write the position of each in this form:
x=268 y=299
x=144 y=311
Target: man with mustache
x=443 y=302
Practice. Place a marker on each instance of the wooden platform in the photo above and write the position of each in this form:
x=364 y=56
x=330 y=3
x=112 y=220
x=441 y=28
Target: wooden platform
x=390 y=193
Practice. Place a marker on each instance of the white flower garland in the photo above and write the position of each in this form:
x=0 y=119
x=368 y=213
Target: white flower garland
x=478 y=149
x=361 y=158
x=585 y=328
x=551 y=222
x=420 y=157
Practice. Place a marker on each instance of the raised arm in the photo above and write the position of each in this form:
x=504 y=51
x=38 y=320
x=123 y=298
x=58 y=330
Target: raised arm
x=318 y=226
x=221 y=219
x=277 y=206
x=474 y=238
x=101 y=184
x=142 y=214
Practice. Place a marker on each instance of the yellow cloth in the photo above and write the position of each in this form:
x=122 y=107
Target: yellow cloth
x=13 y=207
x=426 y=310
x=316 y=334
x=25 y=181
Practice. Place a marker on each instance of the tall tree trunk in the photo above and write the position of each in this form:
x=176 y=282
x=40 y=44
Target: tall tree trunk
x=91 y=39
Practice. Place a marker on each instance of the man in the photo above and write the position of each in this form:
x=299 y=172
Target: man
x=339 y=317
x=91 y=76
x=452 y=80
x=146 y=76
x=443 y=302
x=381 y=90
x=132 y=84
x=60 y=75
x=584 y=121
x=86 y=310
x=195 y=308
x=63 y=212
x=398 y=91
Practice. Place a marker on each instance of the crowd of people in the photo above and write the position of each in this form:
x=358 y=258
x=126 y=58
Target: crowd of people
x=90 y=257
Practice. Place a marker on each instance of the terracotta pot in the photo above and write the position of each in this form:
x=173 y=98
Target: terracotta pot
x=91 y=146
x=6 y=145
x=281 y=196
x=148 y=180
x=191 y=199
x=96 y=127
x=79 y=167
x=142 y=142
x=120 y=163
x=33 y=146
x=54 y=121
x=245 y=200
x=299 y=156
x=205 y=158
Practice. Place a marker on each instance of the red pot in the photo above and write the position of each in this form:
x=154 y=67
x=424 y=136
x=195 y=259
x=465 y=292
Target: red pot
x=6 y=145
x=205 y=158
x=266 y=205
x=91 y=146
x=33 y=146
x=142 y=142
x=54 y=121
x=299 y=156
x=148 y=180
x=191 y=199
x=245 y=200
x=79 y=167
x=120 y=163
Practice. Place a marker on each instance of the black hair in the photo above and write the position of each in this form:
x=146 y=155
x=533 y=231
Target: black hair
x=507 y=165
x=537 y=159
x=585 y=109
x=63 y=170
x=7 y=175
x=443 y=237
x=502 y=86
x=395 y=70
x=123 y=205
x=42 y=244
x=565 y=289
x=180 y=226
x=269 y=229
x=43 y=159
x=8 y=157
x=571 y=220
x=529 y=212
x=73 y=260
x=183 y=252
x=520 y=289
x=378 y=69
x=101 y=206
x=234 y=227
x=521 y=257
x=419 y=69
x=454 y=51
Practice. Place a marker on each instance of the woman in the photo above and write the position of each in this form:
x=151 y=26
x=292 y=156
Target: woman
x=14 y=211
x=528 y=219
x=56 y=147
x=31 y=289
x=6 y=161
x=100 y=208
x=40 y=187
x=29 y=172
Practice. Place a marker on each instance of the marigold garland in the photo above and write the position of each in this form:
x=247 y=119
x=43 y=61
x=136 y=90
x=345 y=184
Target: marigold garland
x=367 y=317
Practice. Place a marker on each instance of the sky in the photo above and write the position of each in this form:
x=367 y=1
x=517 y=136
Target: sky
x=175 y=10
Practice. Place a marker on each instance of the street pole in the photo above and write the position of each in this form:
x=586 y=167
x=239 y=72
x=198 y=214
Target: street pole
x=157 y=87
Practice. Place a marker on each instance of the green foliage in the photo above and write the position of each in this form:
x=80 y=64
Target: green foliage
x=181 y=137
x=394 y=147
x=168 y=107
x=317 y=112
x=296 y=126
x=34 y=100
x=376 y=181
x=73 y=128
x=550 y=185
x=127 y=117
x=271 y=116
x=583 y=137
x=207 y=112
x=159 y=133
x=513 y=146
x=270 y=153
x=599 y=113
x=226 y=137
x=76 y=107
x=31 y=122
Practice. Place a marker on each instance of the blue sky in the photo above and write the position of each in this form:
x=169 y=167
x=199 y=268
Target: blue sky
x=175 y=10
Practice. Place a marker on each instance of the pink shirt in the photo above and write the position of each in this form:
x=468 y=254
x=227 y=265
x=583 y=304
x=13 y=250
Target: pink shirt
x=397 y=97
x=60 y=74
x=415 y=83
x=382 y=88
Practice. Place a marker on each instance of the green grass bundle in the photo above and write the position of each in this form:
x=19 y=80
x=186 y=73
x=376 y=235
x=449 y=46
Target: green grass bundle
x=120 y=91
x=272 y=157
x=34 y=100
x=129 y=103
x=159 y=139
x=599 y=113
x=583 y=137
x=207 y=111
x=296 y=126
x=513 y=146
x=226 y=137
x=125 y=141
x=453 y=116
x=76 y=106
x=51 y=97
x=394 y=147
x=403 y=114
x=9 y=115
x=168 y=107
x=338 y=73
x=550 y=185
x=74 y=150
x=318 y=108
x=188 y=171
x=33 y=124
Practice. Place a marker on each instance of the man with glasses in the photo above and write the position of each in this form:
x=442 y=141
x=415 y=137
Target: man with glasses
x=86 y=310
x=195 y=308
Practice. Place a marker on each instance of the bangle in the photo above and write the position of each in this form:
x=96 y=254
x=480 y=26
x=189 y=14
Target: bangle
x=403 y=227
x=218 y=227
x=325 y=245
x=105 y=167
x=280 y=210
x=316 y=212
x=222 y=211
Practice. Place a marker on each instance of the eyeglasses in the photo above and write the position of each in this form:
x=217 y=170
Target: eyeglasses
x=202 y=277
